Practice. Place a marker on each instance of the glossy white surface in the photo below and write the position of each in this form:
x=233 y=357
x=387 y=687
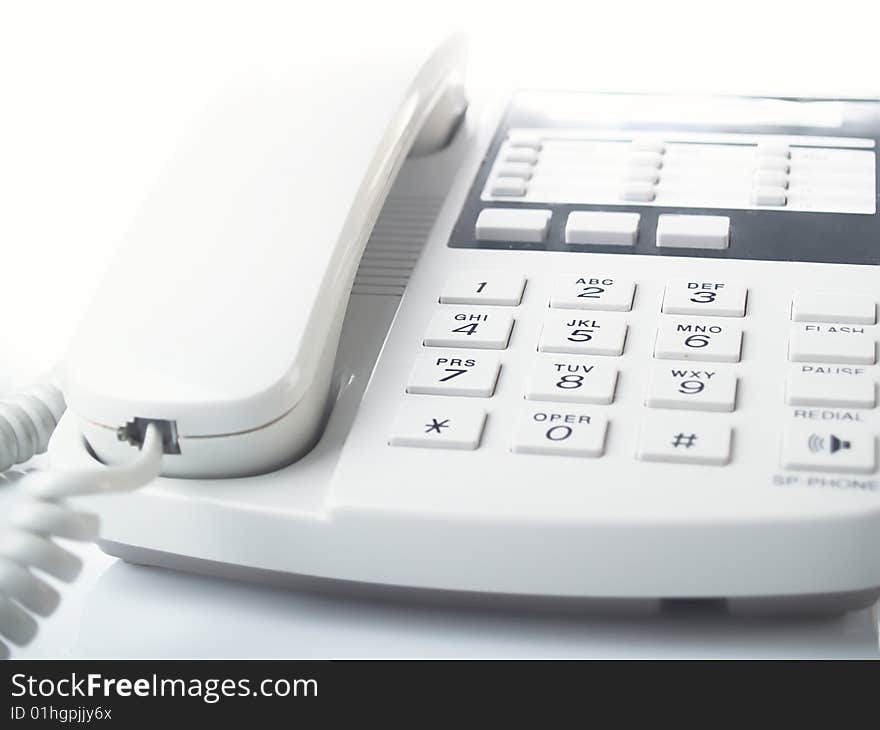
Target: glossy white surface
x=120 y=610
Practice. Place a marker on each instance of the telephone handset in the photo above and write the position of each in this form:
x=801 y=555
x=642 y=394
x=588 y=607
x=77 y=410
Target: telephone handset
x=220 y=314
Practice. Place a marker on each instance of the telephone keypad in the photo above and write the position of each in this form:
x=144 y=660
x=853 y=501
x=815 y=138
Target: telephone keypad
x=692 y=388
x=479 y=329
x=493 y=287
x=438 y=423
x=708 y=298
x=570 y=388
x=560 y=431
x=452 y=373
x=576 y=334
x=593 y=291
x=571 y=380
x=701 y=340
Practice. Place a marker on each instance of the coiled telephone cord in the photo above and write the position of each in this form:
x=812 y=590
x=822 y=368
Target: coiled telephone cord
x=27 y=421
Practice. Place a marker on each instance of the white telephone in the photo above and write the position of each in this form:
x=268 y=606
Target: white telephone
x=613 y=348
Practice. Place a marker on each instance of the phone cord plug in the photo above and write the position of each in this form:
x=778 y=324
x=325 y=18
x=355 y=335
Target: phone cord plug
x=26 y=543
x=27 y=420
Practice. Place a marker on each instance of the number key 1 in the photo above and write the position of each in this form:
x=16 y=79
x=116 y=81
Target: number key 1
x=491 y=287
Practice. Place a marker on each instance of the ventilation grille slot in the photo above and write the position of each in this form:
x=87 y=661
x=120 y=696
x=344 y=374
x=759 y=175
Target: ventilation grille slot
x=395 y=244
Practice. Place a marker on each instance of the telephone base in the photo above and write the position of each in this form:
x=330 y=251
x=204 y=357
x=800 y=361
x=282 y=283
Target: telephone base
x=627 y=517
x=817 y=605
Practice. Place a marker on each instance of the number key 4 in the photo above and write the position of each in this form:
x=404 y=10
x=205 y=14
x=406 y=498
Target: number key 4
x=474 y=328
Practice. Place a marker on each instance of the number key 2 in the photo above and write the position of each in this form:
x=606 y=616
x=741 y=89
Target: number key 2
x=592 y=291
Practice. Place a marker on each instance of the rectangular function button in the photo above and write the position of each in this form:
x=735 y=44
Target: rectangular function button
x=454 y=373
x=772 y=162
x=560 y=431
x=837 y=387
x=767 y=195
x=591 y=291
x=698 y=340
x=833 y=307
x=520 y=154
x=602 y=228
x=521 y=225
x=509 y=186
x=476 y=328
x=688 y=388
x=638 y=192
x=494 y=287
x=438 y=424
x=709 y=298
x=817 y=446
x=577 y=335
x=515 y=169
x=774 y=149
x=571 y=380
x=818 y=343
x=693 y=231
x=684 y=439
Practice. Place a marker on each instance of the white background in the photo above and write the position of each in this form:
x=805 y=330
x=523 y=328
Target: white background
x=92 y=98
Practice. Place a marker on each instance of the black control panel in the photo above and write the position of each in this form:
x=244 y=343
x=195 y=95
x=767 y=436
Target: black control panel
x=762 y=234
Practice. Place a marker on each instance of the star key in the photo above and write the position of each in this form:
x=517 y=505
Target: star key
x=438 y=424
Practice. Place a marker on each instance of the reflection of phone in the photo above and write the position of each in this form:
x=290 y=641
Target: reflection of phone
x=596 y=346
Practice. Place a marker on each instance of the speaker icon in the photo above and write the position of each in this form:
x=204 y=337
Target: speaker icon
x=816 y=443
